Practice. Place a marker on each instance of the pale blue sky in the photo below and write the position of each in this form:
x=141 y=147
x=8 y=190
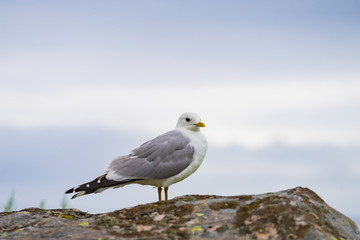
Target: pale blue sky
x=266 y=76
x=141 y=41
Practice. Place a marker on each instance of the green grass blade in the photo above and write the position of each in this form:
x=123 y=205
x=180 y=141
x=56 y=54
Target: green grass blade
x=64 y=203
x=42 y=204
x=10 y=203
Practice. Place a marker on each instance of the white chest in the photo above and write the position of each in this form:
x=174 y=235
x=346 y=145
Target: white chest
x=199 y=143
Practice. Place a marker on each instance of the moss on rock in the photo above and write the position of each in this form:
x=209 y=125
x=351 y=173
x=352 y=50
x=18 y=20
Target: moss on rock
x=291 y=214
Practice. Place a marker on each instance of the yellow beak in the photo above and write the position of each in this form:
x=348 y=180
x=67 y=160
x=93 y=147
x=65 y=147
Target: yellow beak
x=200 y=124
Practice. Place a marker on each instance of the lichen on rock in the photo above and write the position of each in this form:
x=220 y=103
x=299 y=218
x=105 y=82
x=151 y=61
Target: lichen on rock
x=291 y=214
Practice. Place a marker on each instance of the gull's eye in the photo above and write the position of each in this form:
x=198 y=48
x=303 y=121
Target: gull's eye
x=188 y=119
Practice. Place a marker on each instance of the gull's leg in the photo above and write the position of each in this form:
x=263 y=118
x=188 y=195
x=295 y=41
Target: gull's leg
x=159 y=193
x=166 y=193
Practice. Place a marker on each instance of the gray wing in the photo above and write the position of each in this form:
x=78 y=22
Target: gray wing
x=162 y=157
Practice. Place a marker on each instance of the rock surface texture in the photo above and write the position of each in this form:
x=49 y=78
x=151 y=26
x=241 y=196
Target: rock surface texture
x=292 y=214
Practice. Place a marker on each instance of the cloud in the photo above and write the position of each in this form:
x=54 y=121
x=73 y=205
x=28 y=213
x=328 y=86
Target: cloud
x=276 y=84
x=250 y=114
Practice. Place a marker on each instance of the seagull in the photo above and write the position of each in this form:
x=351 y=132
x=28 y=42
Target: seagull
x=160 y=162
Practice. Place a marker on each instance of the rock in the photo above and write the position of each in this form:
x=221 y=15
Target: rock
x=291 y=214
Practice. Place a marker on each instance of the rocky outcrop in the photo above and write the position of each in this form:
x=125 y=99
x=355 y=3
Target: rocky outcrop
x=292 y=214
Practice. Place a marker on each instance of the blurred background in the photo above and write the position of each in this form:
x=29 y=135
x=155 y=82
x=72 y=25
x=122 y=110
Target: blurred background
x=277 y=84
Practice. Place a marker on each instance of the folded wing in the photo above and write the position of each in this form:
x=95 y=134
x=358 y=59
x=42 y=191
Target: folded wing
x=162 y=157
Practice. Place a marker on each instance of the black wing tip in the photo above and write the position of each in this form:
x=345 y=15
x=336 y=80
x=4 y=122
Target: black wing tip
x=69 y=191
x=97 y=183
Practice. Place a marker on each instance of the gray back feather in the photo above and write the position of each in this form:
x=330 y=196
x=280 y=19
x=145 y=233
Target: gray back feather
x=162 y=157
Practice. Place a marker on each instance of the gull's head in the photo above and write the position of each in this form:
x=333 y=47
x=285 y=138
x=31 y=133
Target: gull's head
x=190 y=121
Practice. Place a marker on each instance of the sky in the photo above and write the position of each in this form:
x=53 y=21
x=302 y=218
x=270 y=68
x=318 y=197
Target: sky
x=276 y=83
